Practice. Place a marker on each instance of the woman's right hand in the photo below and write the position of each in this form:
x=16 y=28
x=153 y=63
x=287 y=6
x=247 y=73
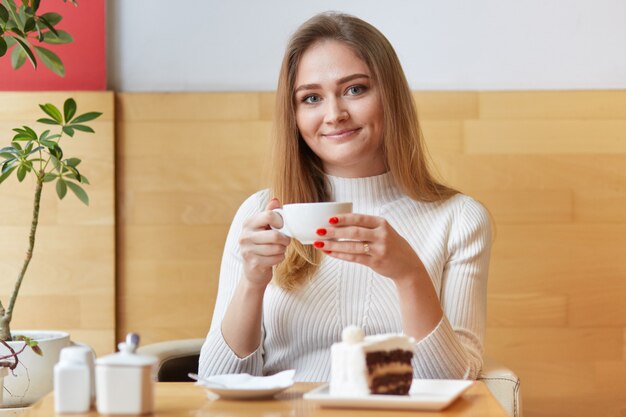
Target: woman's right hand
x=261 y=247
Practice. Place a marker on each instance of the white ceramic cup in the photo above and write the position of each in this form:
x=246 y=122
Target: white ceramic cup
x=302 y=220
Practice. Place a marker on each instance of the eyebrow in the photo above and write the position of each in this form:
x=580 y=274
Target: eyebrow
x=340 y=81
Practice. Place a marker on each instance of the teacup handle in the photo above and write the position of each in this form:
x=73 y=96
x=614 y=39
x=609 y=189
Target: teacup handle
x=284 y=230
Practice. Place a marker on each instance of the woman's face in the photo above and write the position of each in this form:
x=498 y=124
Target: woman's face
x=338 y=110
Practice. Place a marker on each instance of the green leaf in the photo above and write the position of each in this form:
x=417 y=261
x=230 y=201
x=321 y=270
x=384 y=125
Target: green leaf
x=49 y=177
x=6 y=174
x=37 y=149
x=83 y=179
x=7 y=164
x=69 y=109
x=39 y=34
x=57 y=152
x=83 y=128
x=9 y=149
x=44 y=134
x=61 y=188
x=52 y=18
x=23 y=11
x=18 y=57
x=26 y=47
x=21 y=137
x=37 y=350
x=52 y=111
x=6 y=155
x=3 y=46
x=87 y=117
x=51 y=60
x=11 y=9
x=62 y=37
x=68 y=131
x=25 y=134
x=47 y=24
x=31 y=343
x=55 y=161
x=21 y=172
x=4 y=14
x=73 y=162
x=16 y=30
x=47 y=136
x=73 y=171
x=47 y=143
x=34 y=4
x=79 y=192
x=31 y=132
x=48 y=121
x=29 y=26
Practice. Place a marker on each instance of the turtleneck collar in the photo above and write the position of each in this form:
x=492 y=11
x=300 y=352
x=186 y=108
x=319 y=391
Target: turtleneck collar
x=367 y=194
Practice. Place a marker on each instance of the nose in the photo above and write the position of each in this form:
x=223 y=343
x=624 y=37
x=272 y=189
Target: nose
x=335 y=111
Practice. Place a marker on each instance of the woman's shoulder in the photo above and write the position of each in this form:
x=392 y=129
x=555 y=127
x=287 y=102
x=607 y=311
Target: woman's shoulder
x=255 y=203
x=456 y=208
x=470 y=215
x=462 y=202
x=457 y=202
x=261 y=197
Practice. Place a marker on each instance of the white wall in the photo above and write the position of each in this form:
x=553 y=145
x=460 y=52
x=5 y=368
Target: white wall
x=237 y=45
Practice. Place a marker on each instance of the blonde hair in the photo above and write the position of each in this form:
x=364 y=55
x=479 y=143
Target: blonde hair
x=297 y=174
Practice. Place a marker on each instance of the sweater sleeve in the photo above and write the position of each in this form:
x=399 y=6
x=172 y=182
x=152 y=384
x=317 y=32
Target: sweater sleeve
x=216 y=357
x=454 y=348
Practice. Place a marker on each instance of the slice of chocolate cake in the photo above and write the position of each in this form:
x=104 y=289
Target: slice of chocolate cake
x=379 y=364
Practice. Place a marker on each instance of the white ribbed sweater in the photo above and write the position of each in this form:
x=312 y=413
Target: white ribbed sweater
x=453 y=240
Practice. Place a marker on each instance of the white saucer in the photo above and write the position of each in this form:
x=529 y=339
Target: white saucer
x=245 y=386
x=425 y=394
x=244 y=394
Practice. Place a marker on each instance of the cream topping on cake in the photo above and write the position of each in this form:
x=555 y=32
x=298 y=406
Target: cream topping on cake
x=352 y=334
x=388 y=342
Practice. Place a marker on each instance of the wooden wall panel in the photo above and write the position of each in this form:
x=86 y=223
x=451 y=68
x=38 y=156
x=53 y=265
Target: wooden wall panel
x=70 y=283
x=186 y=162
x=550 y=166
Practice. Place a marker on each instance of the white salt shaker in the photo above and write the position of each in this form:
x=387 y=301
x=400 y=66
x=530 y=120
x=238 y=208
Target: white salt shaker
x=73 y=380
x=124 y=382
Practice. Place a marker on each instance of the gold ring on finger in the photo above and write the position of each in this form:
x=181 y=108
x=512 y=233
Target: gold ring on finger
x=366 y=248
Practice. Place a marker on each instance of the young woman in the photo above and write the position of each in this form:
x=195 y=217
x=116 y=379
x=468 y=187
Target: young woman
x=412 y=258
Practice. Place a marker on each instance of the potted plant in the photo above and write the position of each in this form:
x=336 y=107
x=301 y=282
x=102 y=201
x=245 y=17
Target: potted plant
x=27 y=358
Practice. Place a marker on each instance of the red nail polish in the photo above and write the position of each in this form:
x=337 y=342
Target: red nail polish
x=318 y=244
x=321 y=231
x=333 y=220
x=327 y=251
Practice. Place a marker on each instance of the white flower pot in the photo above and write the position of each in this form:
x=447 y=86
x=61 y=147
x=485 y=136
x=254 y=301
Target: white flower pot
x=3 y=373
x=33 y=377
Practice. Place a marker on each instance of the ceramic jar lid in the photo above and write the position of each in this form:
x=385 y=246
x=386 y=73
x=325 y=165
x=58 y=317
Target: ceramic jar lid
x=127 y=355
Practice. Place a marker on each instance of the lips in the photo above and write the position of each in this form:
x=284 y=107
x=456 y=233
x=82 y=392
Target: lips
x=340 y=134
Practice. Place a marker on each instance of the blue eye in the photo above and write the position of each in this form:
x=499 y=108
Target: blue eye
x=312 y=99
x=355 y=90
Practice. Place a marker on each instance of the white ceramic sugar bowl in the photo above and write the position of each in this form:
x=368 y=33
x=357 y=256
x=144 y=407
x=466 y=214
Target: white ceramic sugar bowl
x=124 y=382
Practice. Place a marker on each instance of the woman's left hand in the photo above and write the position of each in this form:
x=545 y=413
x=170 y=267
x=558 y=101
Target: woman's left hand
x=371 y=241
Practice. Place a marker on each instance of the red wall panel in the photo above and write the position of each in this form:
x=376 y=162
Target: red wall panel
x=84 y=59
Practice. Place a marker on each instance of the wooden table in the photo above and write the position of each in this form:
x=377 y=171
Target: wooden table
x=182 y=399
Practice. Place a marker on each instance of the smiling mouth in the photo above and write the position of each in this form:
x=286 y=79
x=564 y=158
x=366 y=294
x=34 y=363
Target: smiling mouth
x=340 y=134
